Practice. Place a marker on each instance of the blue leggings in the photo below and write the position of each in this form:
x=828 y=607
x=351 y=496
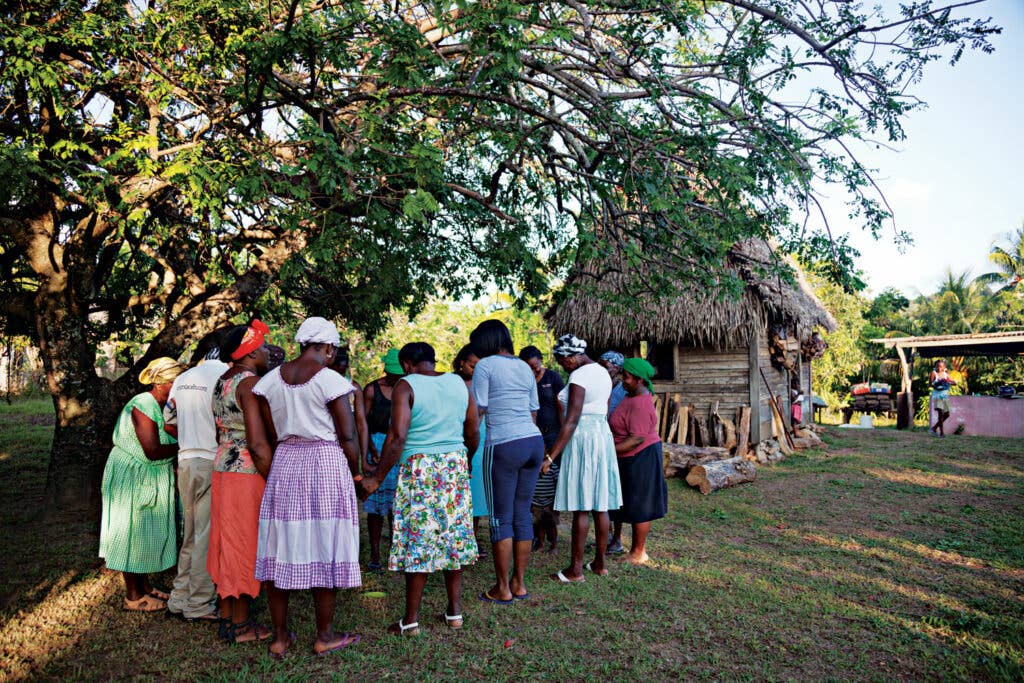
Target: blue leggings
x=510 y=474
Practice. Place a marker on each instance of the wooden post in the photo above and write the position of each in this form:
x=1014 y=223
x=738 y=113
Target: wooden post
x=691 y=417
x=683 y=413
x=743 y=429
x=702 y=432
x=754 y=365
x=905 y=399
x=673 y=421
x=663 y=415
x=777 y=409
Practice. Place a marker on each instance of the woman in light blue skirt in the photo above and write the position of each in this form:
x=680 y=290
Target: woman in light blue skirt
x=588 y=482
x=463 y=365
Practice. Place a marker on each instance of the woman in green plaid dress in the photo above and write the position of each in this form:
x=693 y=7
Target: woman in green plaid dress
x=137 y=532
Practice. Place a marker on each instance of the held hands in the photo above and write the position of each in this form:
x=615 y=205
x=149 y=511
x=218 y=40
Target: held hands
x=546 y=465
x=367 y=485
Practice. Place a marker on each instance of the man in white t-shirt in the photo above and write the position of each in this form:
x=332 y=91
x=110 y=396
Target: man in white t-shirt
x=189 y=410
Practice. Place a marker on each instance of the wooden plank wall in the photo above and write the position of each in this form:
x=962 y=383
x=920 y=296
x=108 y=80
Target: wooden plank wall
x=704 y=376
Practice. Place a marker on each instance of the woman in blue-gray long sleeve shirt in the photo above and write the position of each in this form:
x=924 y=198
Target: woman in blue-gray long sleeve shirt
x=506 y=394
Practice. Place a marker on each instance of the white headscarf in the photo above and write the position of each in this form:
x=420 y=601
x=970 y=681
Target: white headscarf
x=318 y=330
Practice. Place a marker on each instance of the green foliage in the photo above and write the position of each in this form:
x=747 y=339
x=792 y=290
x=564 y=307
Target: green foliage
x=961 y=306
x=436 y=150
x=445 y=325
x=844 y=357
x=175 y=166
x=1009 y=262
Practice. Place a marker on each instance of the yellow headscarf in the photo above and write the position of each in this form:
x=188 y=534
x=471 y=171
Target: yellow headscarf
x=161 y=370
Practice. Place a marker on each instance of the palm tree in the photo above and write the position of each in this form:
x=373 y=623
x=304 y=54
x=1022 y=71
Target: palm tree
x=961 y=306
x=1010 y=262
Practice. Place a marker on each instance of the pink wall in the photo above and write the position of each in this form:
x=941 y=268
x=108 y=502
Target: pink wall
x=985 y=416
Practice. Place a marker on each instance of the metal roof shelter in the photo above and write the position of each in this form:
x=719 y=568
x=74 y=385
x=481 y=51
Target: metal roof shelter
x=934 y=346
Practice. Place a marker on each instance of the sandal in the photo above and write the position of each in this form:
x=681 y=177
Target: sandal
x=346 y=640
x=413 y=628
x=147 y=603
x=159 y=594
x=591 y=569
x=242 y=628
x=487 y=597
x=454 y=622
x=223 y=628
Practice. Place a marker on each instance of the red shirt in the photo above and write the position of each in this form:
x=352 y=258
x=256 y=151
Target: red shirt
x=635 y=416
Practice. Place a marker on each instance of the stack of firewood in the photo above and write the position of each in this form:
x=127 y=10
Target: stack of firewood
x=713 y=452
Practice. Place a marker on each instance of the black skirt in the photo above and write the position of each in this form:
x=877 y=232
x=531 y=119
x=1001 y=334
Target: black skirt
x=644 y=492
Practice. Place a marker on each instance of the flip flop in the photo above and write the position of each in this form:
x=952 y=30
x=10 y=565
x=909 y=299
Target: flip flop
x=486 y=597
x=562 y=578
x=284 y=653
x=524 y=596
x=591 y=569
x=346 y=640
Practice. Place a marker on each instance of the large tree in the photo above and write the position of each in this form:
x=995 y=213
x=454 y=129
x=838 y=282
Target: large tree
x=167 y=162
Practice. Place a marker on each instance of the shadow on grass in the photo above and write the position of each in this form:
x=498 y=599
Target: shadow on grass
x=793 y=576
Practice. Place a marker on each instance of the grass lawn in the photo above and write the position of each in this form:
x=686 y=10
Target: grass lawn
x=891 y=555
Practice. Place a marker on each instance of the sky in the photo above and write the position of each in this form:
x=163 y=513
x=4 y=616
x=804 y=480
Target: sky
x=955 y=184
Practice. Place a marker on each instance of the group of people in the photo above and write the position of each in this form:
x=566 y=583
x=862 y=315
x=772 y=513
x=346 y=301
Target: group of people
x=271 y=458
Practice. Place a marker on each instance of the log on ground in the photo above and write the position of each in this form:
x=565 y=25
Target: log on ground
x=721 y=474
x=678 y=459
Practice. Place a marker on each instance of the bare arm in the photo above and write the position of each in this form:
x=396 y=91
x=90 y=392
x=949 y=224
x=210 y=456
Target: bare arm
x=628 y=444
x=573 y=411
x=171 y=416
x=260 y=446
x=371 y=449
x=398 y=431
x=149 y=437
x=362 y=428
x=345 y=426
x=471 y=431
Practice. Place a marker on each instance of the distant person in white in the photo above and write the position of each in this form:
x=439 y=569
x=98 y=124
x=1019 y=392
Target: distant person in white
x=189 y=412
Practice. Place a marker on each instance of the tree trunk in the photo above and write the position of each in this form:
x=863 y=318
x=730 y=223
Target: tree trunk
x=82 y=405
x=743 y=431
x=679 y=459
x=722 y=474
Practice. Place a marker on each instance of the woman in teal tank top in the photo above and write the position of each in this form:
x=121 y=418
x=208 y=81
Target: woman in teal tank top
x=434 y=428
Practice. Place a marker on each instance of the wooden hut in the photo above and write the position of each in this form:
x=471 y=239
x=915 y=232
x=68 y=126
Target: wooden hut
x=710 y=351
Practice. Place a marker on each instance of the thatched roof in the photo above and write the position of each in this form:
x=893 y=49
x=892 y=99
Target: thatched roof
x=699 y=317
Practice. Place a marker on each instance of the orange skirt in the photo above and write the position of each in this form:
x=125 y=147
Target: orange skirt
x=234 y=530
